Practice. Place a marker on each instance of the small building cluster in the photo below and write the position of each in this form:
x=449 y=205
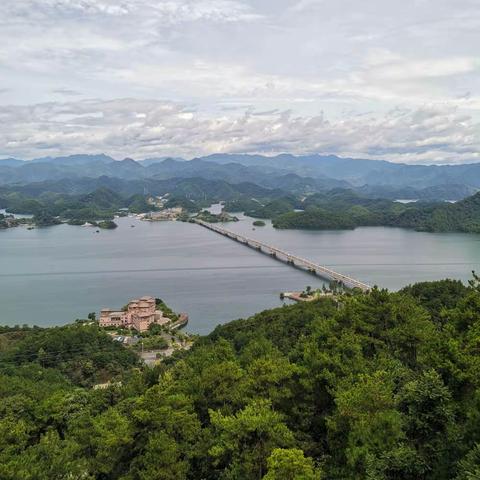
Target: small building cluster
x=139 y=314
x=8 y=221
x=164 y=215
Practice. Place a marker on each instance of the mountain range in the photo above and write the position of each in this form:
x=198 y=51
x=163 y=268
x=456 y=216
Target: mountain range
x=295 y=174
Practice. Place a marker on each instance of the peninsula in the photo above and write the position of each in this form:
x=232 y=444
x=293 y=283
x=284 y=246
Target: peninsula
x=140 y=314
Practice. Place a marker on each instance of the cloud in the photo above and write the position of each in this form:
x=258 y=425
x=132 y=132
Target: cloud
x=67 y=92
x=234 y=67
x=142 y=128
x=302 y=5
x=164 y=11
x=403 y=69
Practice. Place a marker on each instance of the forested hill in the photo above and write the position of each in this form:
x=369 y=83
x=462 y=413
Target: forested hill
x=463 y=216
x=342 y=209
x=372 y=386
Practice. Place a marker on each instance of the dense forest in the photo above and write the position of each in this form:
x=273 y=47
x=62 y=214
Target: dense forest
x=343 y=209
x=51 y=208
x=362 y=386
x=335 y=209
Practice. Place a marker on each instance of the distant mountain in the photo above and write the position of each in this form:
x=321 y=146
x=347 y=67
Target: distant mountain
x=96 y=166
x=299 y=175
x=150 y=161
x=191 y=188
x=236 y=173
x=72 y=160
x=76 y=166
x=10 y=162
x=361 y=172
x=449 y=192
x=101 y=198
x=232 y=172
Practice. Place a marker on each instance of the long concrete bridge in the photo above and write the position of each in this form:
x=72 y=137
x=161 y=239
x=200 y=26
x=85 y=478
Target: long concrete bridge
x=283 y=256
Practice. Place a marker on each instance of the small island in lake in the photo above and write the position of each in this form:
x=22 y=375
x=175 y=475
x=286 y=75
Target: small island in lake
x=209 y=217
x=107 y=224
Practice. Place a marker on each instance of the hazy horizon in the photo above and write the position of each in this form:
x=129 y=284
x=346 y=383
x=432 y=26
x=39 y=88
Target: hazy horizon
x=202 y=157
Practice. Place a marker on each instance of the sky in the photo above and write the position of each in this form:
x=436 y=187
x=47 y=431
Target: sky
x=380 y=79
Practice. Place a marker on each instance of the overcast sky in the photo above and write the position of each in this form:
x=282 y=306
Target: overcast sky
x=397 y=80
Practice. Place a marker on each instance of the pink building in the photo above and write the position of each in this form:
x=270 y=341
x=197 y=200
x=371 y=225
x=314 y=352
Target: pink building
x=139 y=315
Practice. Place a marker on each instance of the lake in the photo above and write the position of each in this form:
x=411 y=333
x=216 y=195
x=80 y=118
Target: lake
x=51 y=276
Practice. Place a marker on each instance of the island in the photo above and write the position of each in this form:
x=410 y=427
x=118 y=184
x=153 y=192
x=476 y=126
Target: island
x=106 y=224
x=209 y=217
x=258 y=223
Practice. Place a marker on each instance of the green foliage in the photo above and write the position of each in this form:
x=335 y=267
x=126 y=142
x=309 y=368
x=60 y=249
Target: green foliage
x=99 y=205
x=469 y=467
x=152 y=342
x=346 y=209
x=206 y=216
x=185 y=203
x=84 y=353
x=107 y=224
x=167 y=311
x=313 y=219
x=369 y=386
x=241 y=205
x=242 y=442
x=43 y=219
x=272 y=209
x=290 y=464
x=463 y=216
x=340 y=209
x=138 y=204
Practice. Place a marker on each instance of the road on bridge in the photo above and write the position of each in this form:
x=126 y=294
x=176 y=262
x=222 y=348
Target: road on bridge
x=289 y=258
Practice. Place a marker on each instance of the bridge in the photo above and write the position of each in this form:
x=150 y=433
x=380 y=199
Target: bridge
x=283 y=256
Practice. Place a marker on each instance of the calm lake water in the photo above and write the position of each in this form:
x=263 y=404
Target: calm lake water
x=53 y=275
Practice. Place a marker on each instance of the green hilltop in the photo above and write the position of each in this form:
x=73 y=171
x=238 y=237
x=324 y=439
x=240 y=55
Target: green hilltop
x=361 y=386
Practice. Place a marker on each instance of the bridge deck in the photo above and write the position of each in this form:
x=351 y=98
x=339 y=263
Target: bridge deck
x=295 y=260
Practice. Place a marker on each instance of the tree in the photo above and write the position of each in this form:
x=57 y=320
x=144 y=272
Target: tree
x=51 y=458
x=244 y=441
x=111 y=442
x=162 y=459
x=366 y=426
x=430 y=421
x=469 y=467
x=290 y=464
